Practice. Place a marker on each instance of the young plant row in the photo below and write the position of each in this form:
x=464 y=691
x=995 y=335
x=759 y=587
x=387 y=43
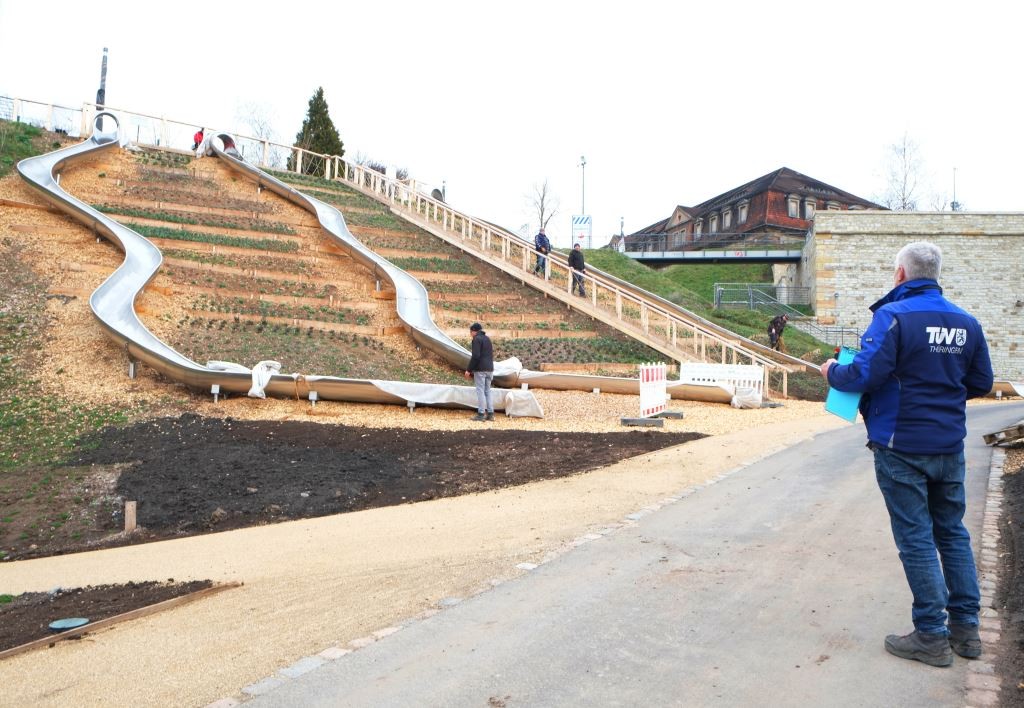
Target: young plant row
x=264 y=308
x=307 y=350
x=190 y=197
x=234 y=260
x=163 y=158
x=248 y=284
x=196 y=219
x=536 y=351
x=434 y=265
x=261 y=244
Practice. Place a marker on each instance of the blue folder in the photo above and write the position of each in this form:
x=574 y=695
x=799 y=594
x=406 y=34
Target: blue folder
x=842 y=403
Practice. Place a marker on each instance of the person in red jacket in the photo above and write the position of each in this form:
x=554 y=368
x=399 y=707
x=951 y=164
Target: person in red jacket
x=198 y=138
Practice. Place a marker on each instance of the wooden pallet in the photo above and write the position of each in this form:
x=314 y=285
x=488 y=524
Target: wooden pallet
x=1010 y=434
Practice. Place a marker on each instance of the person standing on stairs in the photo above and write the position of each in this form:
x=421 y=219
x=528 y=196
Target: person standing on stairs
x=543 y=246
x=578 y=267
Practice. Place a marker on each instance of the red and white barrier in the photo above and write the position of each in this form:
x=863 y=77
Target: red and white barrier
x=653 y=392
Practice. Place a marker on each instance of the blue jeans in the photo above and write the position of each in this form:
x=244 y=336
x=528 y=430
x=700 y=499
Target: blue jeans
x=926 y=501
x=482 y=382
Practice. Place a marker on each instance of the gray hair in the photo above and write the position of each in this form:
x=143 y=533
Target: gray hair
x=920 y=259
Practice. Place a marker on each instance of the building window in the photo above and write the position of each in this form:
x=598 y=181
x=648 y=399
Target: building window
x=713 y=223
x=832 y=205
x=726 y=219
x=697 y=226
x=793 y=206
x=809 y=204
x=741 y=212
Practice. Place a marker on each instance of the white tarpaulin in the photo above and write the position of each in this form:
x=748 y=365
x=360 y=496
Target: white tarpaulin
x=517 y=403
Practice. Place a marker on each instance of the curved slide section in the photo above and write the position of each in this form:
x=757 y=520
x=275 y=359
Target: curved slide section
x=113 y=304
x=411 y=298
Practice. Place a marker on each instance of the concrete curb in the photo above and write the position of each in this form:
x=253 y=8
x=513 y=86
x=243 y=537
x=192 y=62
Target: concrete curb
x=982 y=681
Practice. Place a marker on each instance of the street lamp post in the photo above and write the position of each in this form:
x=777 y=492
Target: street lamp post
x=583 y=195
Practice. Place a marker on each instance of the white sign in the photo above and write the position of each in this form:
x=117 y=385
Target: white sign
x=581 y=231
x=653 y=388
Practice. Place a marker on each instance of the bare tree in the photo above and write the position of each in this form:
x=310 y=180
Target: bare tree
x=904 y=171
x=937 y=201
x=258 y=120
x=543 y=203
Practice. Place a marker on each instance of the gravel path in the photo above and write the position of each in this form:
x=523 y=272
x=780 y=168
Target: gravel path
x=314 y=584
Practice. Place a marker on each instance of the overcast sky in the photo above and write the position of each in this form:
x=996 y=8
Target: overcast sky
x=670 y=103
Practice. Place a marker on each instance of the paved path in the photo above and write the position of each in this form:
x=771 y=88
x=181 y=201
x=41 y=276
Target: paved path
x=773 y=587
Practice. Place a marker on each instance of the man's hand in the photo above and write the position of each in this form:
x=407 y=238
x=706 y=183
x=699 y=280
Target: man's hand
x=826 y=366
x=468 y=374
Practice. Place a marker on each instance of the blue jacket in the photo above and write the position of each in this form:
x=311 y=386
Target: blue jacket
x=541 y=243
x=921 y=358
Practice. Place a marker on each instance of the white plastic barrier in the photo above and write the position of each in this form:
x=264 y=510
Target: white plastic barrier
x=653 y=384
x=736 y=375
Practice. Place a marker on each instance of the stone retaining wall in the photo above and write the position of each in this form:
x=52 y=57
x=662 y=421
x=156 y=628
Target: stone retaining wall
x=849 y=261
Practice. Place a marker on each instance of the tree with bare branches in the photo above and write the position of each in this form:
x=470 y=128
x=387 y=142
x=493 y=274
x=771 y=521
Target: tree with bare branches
x=904 y=172
x=542 y=203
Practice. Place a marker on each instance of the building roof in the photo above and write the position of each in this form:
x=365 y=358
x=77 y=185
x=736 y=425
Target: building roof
x=784 y=180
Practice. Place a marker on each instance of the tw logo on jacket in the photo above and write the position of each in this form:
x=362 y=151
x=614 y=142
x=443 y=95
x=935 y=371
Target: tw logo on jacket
x=921 y=358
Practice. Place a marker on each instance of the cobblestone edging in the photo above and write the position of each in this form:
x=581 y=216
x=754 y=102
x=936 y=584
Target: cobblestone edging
x=309 y=663
x=982 y=680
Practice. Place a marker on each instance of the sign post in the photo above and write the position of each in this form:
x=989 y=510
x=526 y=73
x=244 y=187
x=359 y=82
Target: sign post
x=582 y=229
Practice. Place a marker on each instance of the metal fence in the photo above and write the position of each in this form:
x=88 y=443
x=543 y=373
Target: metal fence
x=754 y=296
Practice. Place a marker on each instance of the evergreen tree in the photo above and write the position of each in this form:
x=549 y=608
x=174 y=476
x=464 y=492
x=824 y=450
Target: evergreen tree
x=318 y=134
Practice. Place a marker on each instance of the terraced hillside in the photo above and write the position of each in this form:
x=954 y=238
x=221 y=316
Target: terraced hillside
x=249 y=276
x=524 y=323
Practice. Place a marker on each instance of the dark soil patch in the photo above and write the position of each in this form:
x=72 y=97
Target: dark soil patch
x=192 y=475
x=26 y=617
x=1010 y=597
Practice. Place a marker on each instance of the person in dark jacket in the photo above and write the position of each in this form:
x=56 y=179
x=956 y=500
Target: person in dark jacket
x=775 y=329
x=578 y=269
x=921 y=358
x=481 y=370
x=543 y=247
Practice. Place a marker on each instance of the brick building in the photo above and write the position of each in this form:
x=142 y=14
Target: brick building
x=774 y=209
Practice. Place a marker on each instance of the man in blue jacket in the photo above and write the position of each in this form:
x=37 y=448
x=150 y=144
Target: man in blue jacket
x=921 y=358
x=543 y=247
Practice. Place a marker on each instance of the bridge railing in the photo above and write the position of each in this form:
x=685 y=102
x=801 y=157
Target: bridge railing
x=659 y=243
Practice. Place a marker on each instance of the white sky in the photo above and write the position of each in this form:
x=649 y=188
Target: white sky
x=671 y=103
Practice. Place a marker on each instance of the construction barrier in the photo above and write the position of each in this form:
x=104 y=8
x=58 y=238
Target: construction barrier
x=653 y=389
x=736 y=375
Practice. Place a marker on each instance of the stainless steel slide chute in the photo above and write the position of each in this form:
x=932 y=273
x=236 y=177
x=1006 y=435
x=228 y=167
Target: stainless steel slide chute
x=113 y=305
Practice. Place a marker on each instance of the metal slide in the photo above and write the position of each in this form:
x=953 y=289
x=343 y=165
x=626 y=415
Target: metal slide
x=113 y=305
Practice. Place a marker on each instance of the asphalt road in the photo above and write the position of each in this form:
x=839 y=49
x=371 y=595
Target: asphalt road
x=773 y=587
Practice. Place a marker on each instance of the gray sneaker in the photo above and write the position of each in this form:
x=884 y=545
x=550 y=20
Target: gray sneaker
x=965 y=640
x=478 y=417
x=490 y=416
x=932 y=649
